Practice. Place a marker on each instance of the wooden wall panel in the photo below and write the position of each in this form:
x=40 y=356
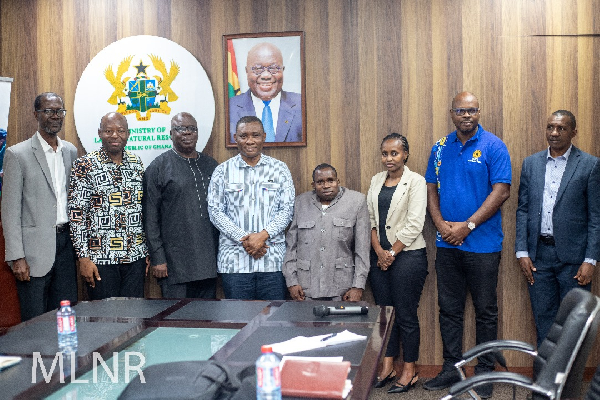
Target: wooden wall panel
x=372 y=67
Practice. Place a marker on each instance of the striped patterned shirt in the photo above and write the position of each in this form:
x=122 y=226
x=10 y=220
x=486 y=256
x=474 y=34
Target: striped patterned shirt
x=244 y=199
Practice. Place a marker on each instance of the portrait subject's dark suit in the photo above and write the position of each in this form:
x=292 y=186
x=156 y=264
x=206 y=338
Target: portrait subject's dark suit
x=575 y=230
x=576 y=214
x=289 y=121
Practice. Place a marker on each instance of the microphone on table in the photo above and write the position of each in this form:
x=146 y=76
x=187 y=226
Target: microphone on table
x=321 y=311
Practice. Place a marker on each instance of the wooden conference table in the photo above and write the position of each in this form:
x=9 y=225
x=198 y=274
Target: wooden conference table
x=166 y=330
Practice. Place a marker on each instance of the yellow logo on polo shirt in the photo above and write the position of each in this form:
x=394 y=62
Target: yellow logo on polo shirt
x=476 y=156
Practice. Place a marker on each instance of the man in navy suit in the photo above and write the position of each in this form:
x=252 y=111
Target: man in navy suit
x=558 y=220
x=279 y=111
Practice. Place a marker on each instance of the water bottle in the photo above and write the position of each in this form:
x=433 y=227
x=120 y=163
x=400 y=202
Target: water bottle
x=268 y=379
x=67 y=328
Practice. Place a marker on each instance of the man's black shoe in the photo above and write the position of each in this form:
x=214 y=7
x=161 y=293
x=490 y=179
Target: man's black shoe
x=443 y=380
x=485 y=391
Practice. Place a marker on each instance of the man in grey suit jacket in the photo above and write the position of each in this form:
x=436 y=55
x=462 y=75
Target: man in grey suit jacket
x=34 y=212
x=558 y=220
x=335 y=221
x=280 y=110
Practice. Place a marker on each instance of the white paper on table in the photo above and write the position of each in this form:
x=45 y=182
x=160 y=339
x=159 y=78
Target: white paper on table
x=8 y=361
x=327 y=359
x=304 y=343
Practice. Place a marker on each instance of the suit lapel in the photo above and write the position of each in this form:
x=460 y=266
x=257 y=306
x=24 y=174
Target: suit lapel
x=68 y=162
x=570 y=169
x=399 y=193
x=284 y=123
x=246 y=105
x=38 y=152
x=538 y=180
x=377 y=189
x=285 y=118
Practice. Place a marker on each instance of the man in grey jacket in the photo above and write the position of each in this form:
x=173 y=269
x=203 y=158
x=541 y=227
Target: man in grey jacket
x=327 y=255
x=34 y=212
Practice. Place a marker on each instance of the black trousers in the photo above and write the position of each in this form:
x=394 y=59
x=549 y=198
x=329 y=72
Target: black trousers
x=457 y=272
x=44 y=293
x=400 y=286
x=119 y=280
x=200 y=289
x=553 y=280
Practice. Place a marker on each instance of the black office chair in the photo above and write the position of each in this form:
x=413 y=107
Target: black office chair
x=560 y=360
x=594 y=390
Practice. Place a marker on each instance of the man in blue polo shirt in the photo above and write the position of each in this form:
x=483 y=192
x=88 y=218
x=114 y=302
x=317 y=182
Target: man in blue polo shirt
x=468 y=178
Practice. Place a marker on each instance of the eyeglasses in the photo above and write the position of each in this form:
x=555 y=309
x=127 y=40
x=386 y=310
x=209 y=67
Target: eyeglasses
x=463 y=111
x=120 y=132
x=182 y=129
x=273 y=69
x=48 y=112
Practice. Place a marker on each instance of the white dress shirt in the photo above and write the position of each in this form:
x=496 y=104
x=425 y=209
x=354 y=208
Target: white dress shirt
x=274 y=104
x=59 y=177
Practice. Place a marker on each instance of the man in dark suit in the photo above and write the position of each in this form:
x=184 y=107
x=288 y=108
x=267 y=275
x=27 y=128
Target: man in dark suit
x=34 y=212
x=558 y=220
x=279 y=111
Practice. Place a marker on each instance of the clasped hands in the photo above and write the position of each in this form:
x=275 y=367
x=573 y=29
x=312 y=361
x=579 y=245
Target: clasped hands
x=454 y=233
x=254 y=244
x=384 y=259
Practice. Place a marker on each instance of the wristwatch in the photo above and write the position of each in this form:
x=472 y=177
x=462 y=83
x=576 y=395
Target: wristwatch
x=471 y=225
x=392 y=252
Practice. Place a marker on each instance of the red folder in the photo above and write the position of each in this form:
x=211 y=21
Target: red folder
x=319 y=379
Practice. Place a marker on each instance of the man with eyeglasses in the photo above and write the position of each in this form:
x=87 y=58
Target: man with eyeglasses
x=181 y=239
x=251 y=202
x=468 y=179
x=558 y=220
x=279 y=111
x=328 y=243
x=34 y=212
x=105 y=207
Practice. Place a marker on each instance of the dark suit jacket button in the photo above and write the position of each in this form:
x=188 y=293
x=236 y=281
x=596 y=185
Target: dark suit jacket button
x=388 y=227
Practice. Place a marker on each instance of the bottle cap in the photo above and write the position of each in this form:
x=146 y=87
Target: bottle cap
x=266 y=349
x=65 y=303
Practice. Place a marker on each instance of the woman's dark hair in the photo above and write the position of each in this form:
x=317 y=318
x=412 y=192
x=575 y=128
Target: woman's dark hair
x=401 y=138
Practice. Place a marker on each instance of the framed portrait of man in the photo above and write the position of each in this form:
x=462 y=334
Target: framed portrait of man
x=255 y=66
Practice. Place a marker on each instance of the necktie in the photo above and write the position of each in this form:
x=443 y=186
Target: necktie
x=267 y=121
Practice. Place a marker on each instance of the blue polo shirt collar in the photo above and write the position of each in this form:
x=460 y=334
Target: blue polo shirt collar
x=475 y=137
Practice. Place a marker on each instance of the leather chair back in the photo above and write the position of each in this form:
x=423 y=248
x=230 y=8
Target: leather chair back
x=566 y=348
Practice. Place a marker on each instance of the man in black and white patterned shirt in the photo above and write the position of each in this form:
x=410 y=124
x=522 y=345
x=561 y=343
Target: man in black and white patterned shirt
x=105 y=208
